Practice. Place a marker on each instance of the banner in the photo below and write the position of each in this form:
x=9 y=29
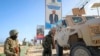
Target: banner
x=53 y=13
x=40 y=32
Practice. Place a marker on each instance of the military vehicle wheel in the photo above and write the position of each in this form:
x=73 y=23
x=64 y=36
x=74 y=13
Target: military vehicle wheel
x=94 y=51
x=79 y=50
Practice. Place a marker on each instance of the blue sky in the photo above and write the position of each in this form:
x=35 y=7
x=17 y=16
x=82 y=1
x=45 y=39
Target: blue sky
x=25 y=15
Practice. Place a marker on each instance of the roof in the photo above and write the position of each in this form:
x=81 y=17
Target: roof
x=95 y=5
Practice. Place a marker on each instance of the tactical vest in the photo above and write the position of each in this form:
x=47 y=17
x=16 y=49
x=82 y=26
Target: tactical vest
x=13 y=46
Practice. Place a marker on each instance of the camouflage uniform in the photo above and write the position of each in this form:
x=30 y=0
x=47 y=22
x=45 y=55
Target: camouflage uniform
x=47 y=42
x=11 y=46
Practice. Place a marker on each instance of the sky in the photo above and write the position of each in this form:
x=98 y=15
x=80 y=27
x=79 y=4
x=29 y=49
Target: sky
x=25 y=15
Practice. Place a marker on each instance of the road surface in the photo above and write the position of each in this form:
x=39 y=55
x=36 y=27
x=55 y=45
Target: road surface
x=37 y=51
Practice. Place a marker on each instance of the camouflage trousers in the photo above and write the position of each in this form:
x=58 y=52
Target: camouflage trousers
x=11 y=55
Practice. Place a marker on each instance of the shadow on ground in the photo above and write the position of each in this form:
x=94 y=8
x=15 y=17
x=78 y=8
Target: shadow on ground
x=39 y=51
x=63 y=55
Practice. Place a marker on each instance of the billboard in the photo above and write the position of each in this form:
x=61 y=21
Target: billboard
x=40 y=32
x=53 y=13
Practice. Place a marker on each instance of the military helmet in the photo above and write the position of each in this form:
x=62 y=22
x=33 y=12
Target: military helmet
x=13 y=32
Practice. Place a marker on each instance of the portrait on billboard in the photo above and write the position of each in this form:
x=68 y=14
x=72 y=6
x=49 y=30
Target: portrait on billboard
x=53 y=13
x=53 y=1
x=53 y=18
x=40 y=32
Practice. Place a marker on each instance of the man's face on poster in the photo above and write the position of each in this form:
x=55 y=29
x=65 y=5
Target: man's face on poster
x=53 y=12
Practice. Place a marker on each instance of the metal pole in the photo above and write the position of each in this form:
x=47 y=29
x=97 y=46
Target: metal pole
x=98 y=11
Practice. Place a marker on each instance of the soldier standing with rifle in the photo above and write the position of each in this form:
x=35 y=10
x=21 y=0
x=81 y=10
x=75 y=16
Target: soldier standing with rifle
x=48 y=43
x=11 y=46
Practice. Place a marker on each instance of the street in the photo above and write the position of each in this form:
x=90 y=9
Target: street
x=37 y=51
x=34 y=51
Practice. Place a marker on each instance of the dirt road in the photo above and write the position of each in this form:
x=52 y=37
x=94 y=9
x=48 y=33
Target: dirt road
x=37 y=51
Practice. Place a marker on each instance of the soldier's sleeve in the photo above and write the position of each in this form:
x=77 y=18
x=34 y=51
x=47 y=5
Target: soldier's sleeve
x=52 y=41
x=19 y=48
x=6 y=48
x=18 y=45
x=44 y=44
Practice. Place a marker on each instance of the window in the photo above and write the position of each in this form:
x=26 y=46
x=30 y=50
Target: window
x=77 y=19
x=64 y=23
x=61 y=24
x=90 y=17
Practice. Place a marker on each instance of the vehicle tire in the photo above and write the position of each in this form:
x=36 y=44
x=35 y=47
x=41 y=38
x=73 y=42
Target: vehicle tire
x=94 y=51
x=79 y=49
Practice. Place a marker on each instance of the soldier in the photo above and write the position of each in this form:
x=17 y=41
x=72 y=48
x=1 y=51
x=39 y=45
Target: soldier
x=47 y=43
x=11 y=46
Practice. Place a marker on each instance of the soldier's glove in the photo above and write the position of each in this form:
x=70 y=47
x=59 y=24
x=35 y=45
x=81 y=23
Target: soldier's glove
x=16 y=50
